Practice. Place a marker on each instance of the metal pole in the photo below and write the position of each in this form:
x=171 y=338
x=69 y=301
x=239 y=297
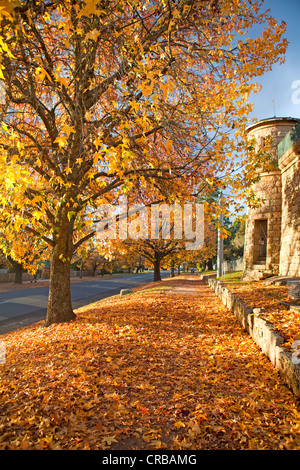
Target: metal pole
x=220 y=253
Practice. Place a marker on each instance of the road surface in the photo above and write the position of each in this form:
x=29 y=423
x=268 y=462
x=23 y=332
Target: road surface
x=26 y=306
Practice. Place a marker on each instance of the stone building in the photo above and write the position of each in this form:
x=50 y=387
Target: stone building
x=272 y=240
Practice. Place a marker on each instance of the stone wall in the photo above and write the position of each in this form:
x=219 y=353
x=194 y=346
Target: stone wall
x=270 y=189
x=289 y=164
x=262 y=333
x=277 y=128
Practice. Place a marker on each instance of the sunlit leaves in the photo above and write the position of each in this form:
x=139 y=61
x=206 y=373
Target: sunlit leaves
x=90 y=9
x=61 y=141
x=274 y=300
x=159 y=369
x=68 y=129
x=6 y=7
x=41 y=73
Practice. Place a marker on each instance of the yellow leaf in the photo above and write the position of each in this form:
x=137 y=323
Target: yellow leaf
x=90 y=9
x=37 y=214
x=92 y=35
x=98 y=142
x=61 y=140
x=6 y=7
x=146 y=88
x=151 y=435
x=4 y=127
x=169 y=145
x=61 y=80
x=89 y=115
x=134 y=105
x=109 y=440
x=179 y=424
x=41 y=73
x=164 y=87
x=68 y=129
x=97 y=156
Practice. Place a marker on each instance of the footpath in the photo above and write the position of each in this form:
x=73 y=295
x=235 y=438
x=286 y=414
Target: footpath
x=167 y=367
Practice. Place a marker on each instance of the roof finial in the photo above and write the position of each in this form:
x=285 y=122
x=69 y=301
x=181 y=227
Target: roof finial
x=274 y=107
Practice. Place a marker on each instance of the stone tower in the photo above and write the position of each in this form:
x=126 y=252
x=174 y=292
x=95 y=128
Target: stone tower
x=263 y=230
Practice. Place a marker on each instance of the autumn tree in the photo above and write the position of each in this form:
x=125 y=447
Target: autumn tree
x=92 y=261
x=155 y=251
x=208 y=252
x=234 y=243
x=14 y=265
x=155 y=232
x=102 y=94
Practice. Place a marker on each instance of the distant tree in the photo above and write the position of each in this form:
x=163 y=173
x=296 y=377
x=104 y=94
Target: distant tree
x=234 y=243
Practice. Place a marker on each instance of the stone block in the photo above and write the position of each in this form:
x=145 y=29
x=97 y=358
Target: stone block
x=289 y=371
x=125 y=292
x=230 y=300
x=266 y=338
x=241 y=312
x=295 y=309
x=258 y=311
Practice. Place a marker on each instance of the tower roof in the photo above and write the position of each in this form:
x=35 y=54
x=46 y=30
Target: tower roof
x=271 y=120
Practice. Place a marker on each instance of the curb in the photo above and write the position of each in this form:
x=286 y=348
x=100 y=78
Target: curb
x=262 y=333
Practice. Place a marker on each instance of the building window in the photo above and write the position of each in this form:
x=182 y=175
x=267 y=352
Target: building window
x=260 y=240
x=262 y=142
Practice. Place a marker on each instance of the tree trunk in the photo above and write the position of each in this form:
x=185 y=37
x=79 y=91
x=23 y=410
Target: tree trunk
x=172 y=268
x=157 y=268
x=18 y=270
x=94 y=268
x=18 y=273
x=59 y=302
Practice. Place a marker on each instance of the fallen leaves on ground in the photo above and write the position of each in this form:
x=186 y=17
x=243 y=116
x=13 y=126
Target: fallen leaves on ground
x=156 y=369
x=257 y=294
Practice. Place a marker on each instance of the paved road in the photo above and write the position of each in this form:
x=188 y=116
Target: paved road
x=26 y=306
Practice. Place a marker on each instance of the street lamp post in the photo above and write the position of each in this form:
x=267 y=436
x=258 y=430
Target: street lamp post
x=220 y=253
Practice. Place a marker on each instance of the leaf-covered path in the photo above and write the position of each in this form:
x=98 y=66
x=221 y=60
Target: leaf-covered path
x=165 y=367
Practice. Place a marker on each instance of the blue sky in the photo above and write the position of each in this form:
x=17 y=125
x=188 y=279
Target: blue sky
x=277 y=84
